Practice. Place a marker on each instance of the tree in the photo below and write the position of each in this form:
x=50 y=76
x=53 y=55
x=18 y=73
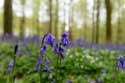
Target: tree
x=70 y=20
x=93 y=21
x=108 y=20
x=36 y=10
x=50 y=15
x=22 y=19
x=119 y=31
x=8 y=17
x=97 y=20
x=56 y=18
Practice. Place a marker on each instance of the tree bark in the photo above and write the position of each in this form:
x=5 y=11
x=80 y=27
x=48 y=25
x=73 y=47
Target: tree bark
x=22 y=22
x=93 y=23
x=119 y=31
x=71 y=21
x=108 y=20
x=97 y=21
x=8 y=17
x=50 y=14
x=56 y=19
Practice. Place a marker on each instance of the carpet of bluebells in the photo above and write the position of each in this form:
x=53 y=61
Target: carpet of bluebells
x=49 y=60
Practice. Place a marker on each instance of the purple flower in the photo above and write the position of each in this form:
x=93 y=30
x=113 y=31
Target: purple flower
x=62 y=55
x=61 y=49
x=10 y=66
x=65 y=39
x=37 y=66
x=118 y=66
x=65 y=34
x=121 y=59
x=39 y=61
x=56 y=48
x=47 y=60
x=52 y=79
x=69 y=81
x=46 y=69
x=43 y=49
x=49 y=39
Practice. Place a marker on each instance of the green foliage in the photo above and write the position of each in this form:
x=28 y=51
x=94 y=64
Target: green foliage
x=80 y=65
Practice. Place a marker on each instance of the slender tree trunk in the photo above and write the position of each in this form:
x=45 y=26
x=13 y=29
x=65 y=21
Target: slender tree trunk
x=93 y=22
x=56 y=18
x=97 y=21
x=64 y=25
x=50 y=14
x=37 y=25
x=22 y=23
x=108 y=20
x=8 y=17
x=85 y=20
x=119 y=31
x=71 y=21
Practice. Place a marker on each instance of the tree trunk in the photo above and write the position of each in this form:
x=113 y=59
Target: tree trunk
x=97 y=21
x=50 y=14
x=71 y=21
x=8 y=17
x=93 y=23
x=108 y=20
x=56 y=19
x=119 y=31
x=22 y=23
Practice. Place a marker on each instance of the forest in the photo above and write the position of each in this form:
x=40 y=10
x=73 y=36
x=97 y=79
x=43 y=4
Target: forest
x=62 y=41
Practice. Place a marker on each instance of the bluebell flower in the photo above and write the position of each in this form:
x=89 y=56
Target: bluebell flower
x=65 y=39
x=118 y=66
x=49 y=39
x=61 y=49
x=43 y=49
x=46 y=69
x=39 y=61
x=56 y=49
x=37 y=66
x=121 y=59
x=69 y=81
x=10 y=66
x=65 y=34
x=62 y=55
x=52 y=79
x=47 y=60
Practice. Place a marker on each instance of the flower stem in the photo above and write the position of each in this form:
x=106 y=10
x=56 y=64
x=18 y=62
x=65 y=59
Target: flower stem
x=41 y=66
x=57 y=65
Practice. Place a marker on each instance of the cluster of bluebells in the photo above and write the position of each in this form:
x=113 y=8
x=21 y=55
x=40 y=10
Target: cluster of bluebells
x=11 y=63
x=48 y=40
x=121 y=62
x=59 y=47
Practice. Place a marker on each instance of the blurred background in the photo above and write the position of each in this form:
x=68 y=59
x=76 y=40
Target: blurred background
x=97 y=21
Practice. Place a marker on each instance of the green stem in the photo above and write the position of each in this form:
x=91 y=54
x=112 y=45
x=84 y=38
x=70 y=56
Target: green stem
x=57 y=67
x=40 y=73
x=41 y=66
